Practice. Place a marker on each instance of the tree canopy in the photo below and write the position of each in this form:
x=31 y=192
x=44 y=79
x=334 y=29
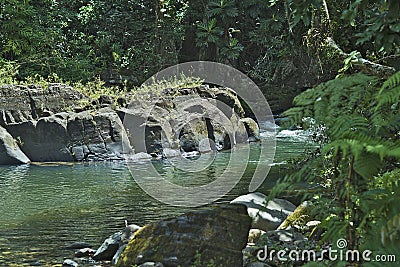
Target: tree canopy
x=131 y=40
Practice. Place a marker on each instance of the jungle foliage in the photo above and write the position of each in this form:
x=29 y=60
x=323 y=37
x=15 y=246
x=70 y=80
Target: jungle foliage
x=356 y=165
x=129 y=41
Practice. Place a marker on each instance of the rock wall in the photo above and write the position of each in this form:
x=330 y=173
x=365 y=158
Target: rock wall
x=51 y=126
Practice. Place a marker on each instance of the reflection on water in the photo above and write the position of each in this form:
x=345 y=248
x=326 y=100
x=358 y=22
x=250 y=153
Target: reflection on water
x=45 y=208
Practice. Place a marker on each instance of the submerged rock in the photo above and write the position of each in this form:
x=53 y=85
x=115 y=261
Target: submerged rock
x=10 y=153
x=265 y=216
x=213 y=235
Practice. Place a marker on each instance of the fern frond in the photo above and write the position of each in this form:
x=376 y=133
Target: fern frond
x=347 y=124
x=393 y=81
x=389 y=93
x=389 y=96
x=367 y=165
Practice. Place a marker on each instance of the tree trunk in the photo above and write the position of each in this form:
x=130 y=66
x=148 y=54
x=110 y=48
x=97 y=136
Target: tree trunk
x=362 y=64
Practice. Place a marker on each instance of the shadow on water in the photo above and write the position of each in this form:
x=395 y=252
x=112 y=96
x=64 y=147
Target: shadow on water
x=47 y=207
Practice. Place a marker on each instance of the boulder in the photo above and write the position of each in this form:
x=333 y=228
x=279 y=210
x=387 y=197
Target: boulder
x=97 y=135
x=252 y=129
x=129 y=232
x=43 y=140
x=10 y=153
x=265 y=216
x=170 y=153
x=254 y=235
x=299 y=217
x=212 y=235
x=69 y=136
x=288 y=236
x=111 y=247
x=50 y=122
x=118 y=254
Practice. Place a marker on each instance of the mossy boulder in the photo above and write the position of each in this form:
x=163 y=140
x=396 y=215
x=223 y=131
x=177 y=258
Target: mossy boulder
x=213 y=235
x=299 y=217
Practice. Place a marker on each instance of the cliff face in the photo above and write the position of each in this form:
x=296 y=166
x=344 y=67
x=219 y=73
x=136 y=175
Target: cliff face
x=51 y=124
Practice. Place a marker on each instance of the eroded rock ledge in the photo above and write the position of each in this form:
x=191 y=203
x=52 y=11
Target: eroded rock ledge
x=55 y=123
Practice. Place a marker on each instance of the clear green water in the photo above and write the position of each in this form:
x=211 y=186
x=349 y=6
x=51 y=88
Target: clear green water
x=45 y=208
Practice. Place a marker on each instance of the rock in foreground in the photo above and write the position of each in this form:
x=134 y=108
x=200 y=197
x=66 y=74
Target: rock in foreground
x=214 y=235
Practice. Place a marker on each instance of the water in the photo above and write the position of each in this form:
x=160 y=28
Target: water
x=44 y=208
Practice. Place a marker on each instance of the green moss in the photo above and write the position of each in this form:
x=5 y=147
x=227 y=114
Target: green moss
x=140 y=242
x=299 y=217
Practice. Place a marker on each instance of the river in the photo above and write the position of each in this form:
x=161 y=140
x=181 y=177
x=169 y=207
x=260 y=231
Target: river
x=44 y=208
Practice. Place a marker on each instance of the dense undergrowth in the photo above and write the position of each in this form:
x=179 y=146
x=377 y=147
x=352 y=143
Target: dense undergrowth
x=356 y=167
